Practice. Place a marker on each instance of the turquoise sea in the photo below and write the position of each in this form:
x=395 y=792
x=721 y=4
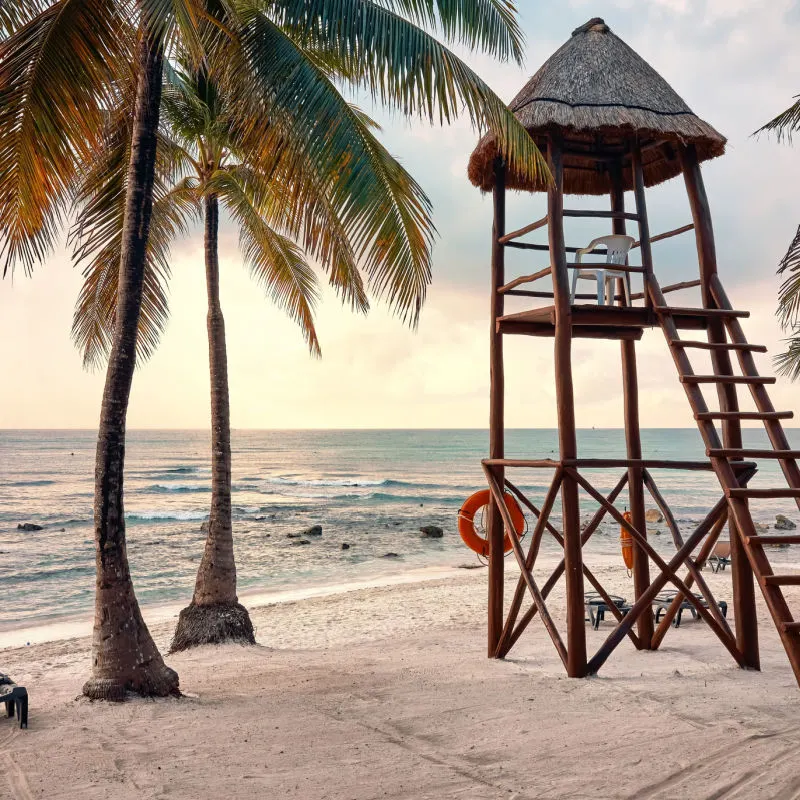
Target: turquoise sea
x=369 y=489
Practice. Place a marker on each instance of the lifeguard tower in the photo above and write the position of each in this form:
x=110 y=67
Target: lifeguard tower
x=609 y=123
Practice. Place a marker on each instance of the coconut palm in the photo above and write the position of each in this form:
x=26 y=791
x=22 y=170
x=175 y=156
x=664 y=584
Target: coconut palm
x=788 y=363
x=63 y=65
x=64 y=69
x=203 y=165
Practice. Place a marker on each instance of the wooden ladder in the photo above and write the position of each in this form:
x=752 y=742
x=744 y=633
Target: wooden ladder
x=723 y=459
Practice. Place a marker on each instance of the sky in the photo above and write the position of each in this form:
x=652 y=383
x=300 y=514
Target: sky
x=736 y=64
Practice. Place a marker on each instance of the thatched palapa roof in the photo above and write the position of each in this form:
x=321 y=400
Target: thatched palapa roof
x=600 y=96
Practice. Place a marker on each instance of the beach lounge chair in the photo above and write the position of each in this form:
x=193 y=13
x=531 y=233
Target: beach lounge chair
x=596 y=607
x=617 y=248
x=16 y=699
x=720 y=556
x=663 y=601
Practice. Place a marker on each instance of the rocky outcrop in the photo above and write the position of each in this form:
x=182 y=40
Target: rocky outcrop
x=314 y=530
x=390 y=555
x=345 y=546
x=29 y=526
x=431 y=532
x=783 y=523
x=653 y=515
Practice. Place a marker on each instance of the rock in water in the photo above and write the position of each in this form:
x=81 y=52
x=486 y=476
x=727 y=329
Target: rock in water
x=653 y=515
x=345 y=546
x=314 y=530
x=431 y=532
x=29 y=526
x=390 y=555
x=783 y=524
x=761 y=527
x=301 y=541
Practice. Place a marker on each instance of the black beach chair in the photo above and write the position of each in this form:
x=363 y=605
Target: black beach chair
x=16 y=699
x=663 y=601
x=596 y=607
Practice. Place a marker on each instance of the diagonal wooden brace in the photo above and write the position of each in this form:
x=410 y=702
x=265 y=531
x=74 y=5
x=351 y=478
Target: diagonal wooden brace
x=559 y=571
x=503 y=645
x=693 y=569
x=705 y=551
x=666 y=570
x=497 y=493
x=668 y=573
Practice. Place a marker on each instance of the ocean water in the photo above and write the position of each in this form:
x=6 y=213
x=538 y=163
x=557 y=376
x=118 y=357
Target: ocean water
x=370 y=489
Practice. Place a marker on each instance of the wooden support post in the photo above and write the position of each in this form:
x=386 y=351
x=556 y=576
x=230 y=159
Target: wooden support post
x=496 y=412
x=741 y=571
x=573 y=557
x=633 y=439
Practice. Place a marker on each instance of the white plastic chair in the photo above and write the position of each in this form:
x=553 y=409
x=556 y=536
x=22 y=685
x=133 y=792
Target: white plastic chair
x=618 y=247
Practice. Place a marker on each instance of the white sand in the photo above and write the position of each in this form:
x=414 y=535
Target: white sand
x=386 y=693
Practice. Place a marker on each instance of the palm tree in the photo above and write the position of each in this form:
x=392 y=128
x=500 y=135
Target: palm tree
x=203 y=165
x=63 y=64
x=788 y=362
x=64 y=68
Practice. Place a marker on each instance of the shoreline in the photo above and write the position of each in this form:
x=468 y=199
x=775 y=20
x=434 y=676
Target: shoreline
x=157 y=614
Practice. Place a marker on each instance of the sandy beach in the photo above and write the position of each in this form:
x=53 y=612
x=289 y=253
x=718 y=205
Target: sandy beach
x=386 y=692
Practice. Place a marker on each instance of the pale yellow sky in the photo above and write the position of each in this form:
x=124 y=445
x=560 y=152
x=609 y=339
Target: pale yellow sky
x=735 y=63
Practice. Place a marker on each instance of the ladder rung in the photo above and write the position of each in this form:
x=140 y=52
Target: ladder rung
x=700 y=345
x=700 y=312
x=744 y=415
x=754 y=494
x=790 y=627
x=775 y=538
x=752 y=379
x=728 y=452
x=751 y=348
x=782 y=580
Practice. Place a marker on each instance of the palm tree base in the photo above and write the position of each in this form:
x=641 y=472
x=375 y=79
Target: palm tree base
x=146 y=682
x=212 y=624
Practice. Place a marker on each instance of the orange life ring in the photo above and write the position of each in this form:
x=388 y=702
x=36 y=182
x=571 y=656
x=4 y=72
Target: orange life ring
x=466 y=521
x=626 y=541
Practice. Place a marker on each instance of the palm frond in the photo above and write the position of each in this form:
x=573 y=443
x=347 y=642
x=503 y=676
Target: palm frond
x=295 y=203
x=275 y=261
x=177 y=23
x=289 y=105
x=488 y=25
x=96 y=238
x=405 y=67
x=788 y=363
x=16 y=13
x=785 y=124
x=789 y=292
x=58 y=74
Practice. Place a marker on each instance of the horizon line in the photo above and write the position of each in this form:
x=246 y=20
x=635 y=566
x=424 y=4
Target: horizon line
x=337 y=430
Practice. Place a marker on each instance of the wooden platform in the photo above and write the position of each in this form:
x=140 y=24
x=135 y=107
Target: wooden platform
x=594 y=322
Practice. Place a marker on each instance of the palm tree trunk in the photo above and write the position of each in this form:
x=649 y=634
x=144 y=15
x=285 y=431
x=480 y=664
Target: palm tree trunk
x=215 y=614
x=124 y=656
